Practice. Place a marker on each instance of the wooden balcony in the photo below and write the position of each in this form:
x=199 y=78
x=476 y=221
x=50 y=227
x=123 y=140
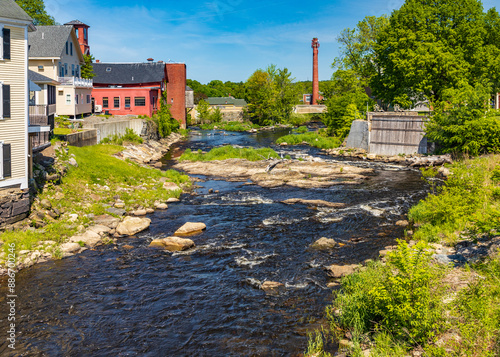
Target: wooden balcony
x=40 y=114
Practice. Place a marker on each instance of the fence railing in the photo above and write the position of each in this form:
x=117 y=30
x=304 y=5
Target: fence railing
x=75 y=81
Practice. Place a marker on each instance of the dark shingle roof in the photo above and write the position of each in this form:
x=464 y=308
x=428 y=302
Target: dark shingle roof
x=39 y=78
x=11 y=10
x=128 y=73
x=76 y=22
x=226 y=101
x=188 y=89
x=48 y=41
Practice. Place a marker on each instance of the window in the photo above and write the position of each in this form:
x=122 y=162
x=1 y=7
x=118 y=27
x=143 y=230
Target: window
x=140 y=101
x=5 y=101
x=116 y=102
x=71 y=48
x=105 y=102
x=5 y=157
x=76 y=31
x=127 y=102
x=85 y=33
x=76 y=98
x=73 y=70
x=66 y=47
x=77 y=72
x=65 y=69
x=4 y=43
x=61 y=70
x=68 y=98
x=51 y=94
x=88 y=98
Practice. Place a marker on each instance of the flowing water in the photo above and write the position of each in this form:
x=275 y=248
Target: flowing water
x=114 y=301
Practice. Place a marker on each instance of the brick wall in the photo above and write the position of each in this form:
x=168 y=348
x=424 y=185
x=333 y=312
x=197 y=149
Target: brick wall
x=176 y=91
x=14 y=205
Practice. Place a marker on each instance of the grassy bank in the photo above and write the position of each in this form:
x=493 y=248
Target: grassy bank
x=410 y=303
x=90 y=188
x=229 y=152
x=312 y=138
x=230 y=126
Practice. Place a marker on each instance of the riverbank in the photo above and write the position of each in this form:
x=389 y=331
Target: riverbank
x=436 y=296
x=86 y=197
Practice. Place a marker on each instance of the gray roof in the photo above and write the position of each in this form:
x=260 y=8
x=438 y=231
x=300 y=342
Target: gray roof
x=188 y=89
x=10 y=10
x=128 y=73
x=39 y=78
x=76 y=22
x=48 y=41
x=226 y=101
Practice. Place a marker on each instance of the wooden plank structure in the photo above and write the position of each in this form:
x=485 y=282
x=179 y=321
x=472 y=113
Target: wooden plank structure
x=393 y=133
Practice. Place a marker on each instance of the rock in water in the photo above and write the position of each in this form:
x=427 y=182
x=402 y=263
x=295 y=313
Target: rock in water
x=173 y=244
x=172 y=199
x=190 y=228
x=132 y=225
x=324 y=243
x=272 y=287
x=339 y=271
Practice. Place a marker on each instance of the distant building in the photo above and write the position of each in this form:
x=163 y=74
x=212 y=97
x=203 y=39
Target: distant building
x=226 y=102
x=136 y=88
x=54 y=52
x=82 y=34
x=15 y=25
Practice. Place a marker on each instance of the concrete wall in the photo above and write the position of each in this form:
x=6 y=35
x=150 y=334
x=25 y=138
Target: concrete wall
x=82 y=138
x=359 y=136
x=309 y=109
x=14 y=206
x=118 y=128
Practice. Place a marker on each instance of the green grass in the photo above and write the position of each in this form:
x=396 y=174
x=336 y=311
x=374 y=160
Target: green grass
x=65 y=131
x=103 y=176
x=230 y=126
x=229 y=152
x=312 y=138
x=468 y=201
x=301 y=129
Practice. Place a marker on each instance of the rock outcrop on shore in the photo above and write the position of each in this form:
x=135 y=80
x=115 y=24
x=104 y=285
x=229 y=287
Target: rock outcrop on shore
x=301 y=174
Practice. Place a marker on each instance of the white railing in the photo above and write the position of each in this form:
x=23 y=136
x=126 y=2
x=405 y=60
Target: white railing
x=75 y=81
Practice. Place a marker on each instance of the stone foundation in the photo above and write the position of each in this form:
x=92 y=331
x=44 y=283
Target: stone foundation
x=14 y=206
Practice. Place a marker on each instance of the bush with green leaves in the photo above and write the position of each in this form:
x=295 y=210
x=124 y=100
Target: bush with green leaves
x=229 y=152
x=400 y=297
x=314 y=139
x=466 y=201
x=130 y=136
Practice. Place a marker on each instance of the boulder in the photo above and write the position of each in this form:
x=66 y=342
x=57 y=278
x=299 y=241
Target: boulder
x=316 y=203
x=140 y=212
x=172 y=199
x=45 y=203
x=132 y=225
x=190 y=228
x=70 y=247
x=172 y=244
x=324 y=243
x=149 y=210
x=100 y=229
x=119 y=205
x=339 y=271
x=158 y=165
x=161 y=206
x=171 y=186
x=72 y=162
x=272 y=287
x=90 y=238
x=117 y=211
x=402 y=223
x=107 y=220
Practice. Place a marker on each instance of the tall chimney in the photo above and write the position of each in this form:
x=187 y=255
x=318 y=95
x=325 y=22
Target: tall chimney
x=315 y=92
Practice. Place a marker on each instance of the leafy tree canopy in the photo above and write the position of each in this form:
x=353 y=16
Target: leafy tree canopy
x=36 y=9
x=430 y=46
x=87 y=70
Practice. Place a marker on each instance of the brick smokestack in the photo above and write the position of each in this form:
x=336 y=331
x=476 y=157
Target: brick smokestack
x=315 y=92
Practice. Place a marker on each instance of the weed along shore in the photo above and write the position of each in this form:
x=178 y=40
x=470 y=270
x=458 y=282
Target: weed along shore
x=91 y=196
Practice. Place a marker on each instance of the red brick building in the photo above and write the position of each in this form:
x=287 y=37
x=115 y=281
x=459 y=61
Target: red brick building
x=82 y=33
x=136 y=88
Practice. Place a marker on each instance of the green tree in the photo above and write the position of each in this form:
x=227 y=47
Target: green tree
x=203 y=109
x=163 y=118
x=347 y=103
x=36 y=9
x=87 y=69
x=271 y=96
x=430 y=46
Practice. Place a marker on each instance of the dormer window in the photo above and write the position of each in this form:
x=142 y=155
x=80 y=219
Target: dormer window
x=71 y=48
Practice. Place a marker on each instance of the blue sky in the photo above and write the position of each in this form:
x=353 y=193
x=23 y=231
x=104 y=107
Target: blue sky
x=220 y=39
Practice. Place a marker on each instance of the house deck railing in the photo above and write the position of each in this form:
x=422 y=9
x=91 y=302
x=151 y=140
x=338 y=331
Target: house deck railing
x=75 y=81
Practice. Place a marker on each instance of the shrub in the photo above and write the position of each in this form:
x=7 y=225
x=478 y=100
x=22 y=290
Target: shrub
x=312 y=138
x=130 y=136
x=229 y=152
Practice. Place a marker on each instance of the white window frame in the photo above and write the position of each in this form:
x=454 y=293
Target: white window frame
x=68 y=96
x=1 y=160
x=1 y=42
x=1 y=98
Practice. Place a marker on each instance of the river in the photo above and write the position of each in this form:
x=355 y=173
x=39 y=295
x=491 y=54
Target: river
x=114 y=301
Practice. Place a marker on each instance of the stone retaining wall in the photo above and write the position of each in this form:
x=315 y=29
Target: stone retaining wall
x=82 y=138
x=107 y=129
x=14 y=206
